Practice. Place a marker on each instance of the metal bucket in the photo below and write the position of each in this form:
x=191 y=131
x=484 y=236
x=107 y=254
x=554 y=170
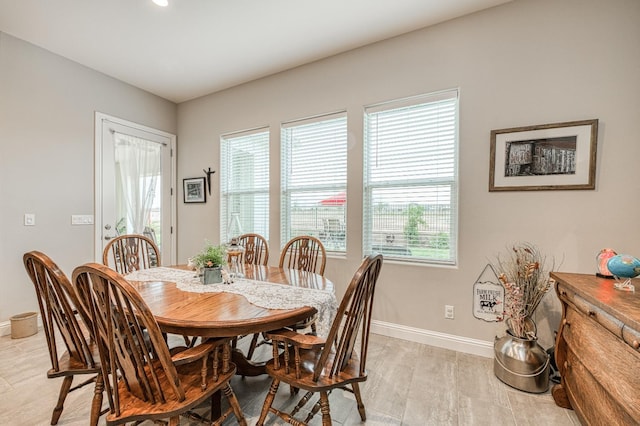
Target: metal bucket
x=521 y=363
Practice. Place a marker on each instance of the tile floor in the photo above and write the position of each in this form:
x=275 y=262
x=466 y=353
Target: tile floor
x=409 y=384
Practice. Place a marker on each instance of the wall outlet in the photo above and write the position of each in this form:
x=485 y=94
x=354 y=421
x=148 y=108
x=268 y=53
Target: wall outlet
x=448 y=311
x=29 y=219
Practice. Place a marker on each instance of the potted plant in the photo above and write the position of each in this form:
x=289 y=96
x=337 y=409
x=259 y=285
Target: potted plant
x=520 y=361
x=524 y=274
x=209 y=263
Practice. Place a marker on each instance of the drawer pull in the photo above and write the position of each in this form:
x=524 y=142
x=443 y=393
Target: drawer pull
x=635 y=344
x=591 y=314
x=566 y=322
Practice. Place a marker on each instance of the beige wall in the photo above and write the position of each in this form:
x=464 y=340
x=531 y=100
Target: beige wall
x=527 y=62
x=524 y=63
x=47 y=106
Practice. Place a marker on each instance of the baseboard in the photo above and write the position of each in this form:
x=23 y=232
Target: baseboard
x=5 y=328
x=434 y=338
x=427 y=337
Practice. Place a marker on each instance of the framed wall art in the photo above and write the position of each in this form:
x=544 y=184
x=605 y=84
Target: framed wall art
x=194 y=190
x=544 y=157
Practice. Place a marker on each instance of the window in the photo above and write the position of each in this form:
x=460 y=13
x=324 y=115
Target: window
x=314 y=180
x=244 y=182
x=411 y=178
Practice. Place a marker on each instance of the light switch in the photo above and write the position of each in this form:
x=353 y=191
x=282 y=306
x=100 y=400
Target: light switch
x=82 y=219
x=29 y=219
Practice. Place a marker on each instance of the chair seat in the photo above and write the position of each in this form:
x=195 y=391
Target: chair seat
x=133 y=408
x=68 y=365
x=308 y=359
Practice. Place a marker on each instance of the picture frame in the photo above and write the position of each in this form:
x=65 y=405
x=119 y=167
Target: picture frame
x=557 y=156
x=194 y=190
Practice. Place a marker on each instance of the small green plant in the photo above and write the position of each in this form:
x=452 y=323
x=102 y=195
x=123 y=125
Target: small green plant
x=211 y=257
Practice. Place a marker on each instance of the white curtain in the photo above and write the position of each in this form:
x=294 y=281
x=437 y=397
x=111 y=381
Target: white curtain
x=138 y=163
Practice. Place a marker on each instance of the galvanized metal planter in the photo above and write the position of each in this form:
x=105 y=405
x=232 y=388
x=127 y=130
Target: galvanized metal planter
x=211 y=275
x=521 y=363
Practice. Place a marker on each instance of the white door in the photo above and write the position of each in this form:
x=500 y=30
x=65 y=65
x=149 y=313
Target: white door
x=135 y=172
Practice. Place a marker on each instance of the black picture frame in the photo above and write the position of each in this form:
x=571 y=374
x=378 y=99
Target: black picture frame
x=194 y=190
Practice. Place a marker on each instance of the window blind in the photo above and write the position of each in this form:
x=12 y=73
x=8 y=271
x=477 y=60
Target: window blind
x=411 y=178
x=314 y=179
x=244 y=182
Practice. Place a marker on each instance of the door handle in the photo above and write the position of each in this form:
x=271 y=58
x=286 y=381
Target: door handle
x=108 y=237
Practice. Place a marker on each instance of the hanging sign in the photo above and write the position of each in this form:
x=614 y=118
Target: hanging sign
x=488 y=296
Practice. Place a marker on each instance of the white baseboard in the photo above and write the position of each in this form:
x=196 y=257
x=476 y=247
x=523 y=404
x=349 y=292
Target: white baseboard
x=5 y=328
x=427 y=337
x=434 y=338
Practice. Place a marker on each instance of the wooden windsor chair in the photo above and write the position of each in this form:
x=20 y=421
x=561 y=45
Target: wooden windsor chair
x=131 y=252
x=321 y=365
x=304 y=253
x=79 y=356
x=143 y=379
x=256 y=249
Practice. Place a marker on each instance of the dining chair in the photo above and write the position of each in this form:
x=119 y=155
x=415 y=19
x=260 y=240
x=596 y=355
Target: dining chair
x=147 y=381
x=319 y=365
x=131 y=252
x=304 y=252
x=74 y=354
x=256 y=249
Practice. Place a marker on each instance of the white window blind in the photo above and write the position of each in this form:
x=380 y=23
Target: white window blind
x=314 y=180
x=244 y=182
x=411 y=178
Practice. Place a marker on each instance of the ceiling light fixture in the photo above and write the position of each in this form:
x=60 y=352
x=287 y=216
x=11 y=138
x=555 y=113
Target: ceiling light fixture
x=163 y=3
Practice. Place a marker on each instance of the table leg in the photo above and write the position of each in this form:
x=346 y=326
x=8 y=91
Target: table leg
x=246 y=367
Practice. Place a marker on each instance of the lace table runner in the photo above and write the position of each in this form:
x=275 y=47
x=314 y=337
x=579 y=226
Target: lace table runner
x=260 y=293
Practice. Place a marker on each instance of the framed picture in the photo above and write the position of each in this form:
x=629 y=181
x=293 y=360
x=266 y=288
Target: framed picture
x=194 y=190
x=544 y=157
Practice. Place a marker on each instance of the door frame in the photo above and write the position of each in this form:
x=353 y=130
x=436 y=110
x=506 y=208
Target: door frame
x=100 y=120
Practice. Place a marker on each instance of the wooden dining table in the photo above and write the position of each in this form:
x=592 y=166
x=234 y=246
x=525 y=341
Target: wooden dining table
x=225 y=314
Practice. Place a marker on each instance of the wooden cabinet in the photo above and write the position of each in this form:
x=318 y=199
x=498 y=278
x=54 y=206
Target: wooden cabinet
x=598 y=350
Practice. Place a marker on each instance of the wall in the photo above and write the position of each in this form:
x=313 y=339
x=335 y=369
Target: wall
x=524 y=63
x=47 y=106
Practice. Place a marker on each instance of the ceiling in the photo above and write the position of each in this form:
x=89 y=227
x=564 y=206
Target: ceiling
x=195 y=47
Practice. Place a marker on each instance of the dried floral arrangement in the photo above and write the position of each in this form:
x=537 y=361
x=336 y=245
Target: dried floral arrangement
x=524 y=273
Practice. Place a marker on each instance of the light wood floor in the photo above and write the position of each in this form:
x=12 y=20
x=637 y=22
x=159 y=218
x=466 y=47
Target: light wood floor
x=409 y=384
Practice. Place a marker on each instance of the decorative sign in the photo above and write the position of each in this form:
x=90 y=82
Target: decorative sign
x=488 y=296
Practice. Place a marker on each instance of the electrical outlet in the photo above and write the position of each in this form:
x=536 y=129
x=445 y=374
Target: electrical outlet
x=448 y=311
x=29 y=219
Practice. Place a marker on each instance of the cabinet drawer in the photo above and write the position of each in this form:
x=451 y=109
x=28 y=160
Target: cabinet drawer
x=590 y=399
x=608 y=361
x=608 y=322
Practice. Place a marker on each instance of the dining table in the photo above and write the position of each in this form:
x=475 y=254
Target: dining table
x=259 y=299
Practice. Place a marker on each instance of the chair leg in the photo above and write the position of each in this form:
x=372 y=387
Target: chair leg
x=356 y=392
x=235 y=405
x=253 y=345
x=64 y=390
x=268 y=401
x=324 y=409
x=96 y=405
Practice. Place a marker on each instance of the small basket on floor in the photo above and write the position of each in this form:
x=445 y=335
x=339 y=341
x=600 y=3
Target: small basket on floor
x=24 y=325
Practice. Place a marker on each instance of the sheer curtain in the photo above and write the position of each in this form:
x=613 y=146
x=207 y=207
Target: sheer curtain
x=138 y=167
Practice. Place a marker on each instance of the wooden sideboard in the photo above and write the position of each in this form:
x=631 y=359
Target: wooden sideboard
x=598 y=350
